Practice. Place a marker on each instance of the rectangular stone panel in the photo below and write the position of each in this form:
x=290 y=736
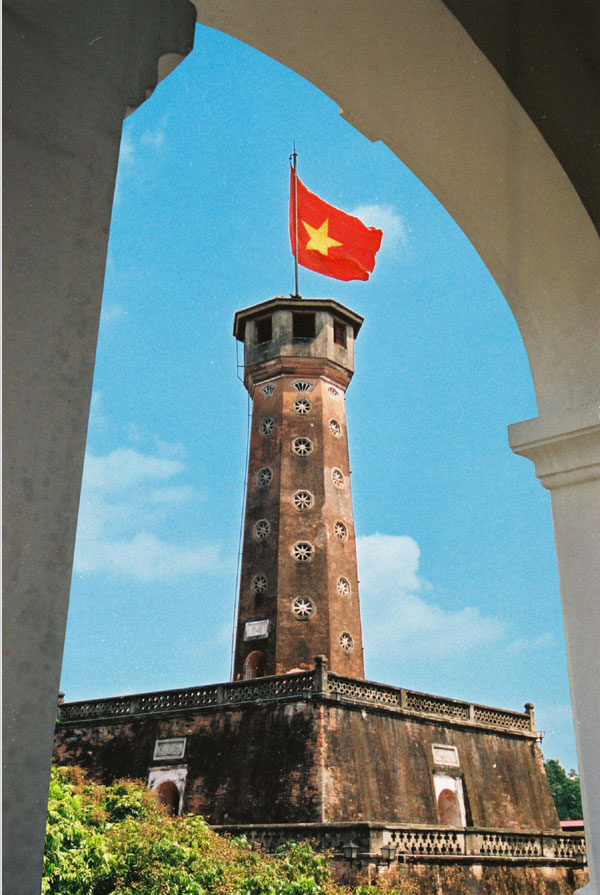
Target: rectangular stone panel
x=445 y=755
x=171 y=748
x=256 y=630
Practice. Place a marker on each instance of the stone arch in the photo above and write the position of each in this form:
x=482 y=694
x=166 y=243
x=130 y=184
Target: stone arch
x=254 y=666
x=418 y=82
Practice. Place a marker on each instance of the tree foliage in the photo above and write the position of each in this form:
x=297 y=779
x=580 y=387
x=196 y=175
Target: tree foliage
x=565 y=789
x=116 y=839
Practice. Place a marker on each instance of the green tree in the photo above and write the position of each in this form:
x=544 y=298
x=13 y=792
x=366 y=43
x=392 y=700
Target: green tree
x=565 y=789
x=116 y=840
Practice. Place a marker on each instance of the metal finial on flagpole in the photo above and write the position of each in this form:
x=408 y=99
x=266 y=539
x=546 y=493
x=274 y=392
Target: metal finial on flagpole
x=294 y=159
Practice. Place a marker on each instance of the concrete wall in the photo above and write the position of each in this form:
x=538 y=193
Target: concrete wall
x=71 y=70
x=418 y=82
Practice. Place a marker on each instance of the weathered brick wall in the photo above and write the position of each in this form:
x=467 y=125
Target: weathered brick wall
x=244 y=765
x=314 y=760
x=380 y=767
x=474 y=879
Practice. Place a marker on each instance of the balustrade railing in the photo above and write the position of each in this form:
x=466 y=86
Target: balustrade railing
x=420 y=843
x=318 y=682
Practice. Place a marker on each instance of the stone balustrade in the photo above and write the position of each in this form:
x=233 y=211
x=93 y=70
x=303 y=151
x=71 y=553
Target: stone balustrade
x=318 y=683
x=420 y=843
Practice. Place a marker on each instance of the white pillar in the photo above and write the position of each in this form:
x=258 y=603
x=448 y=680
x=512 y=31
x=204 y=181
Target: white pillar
x=565 y=448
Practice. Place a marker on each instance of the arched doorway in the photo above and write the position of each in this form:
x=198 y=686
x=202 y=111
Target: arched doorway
x=167 y=795
x=449 y=809
x=254 y=666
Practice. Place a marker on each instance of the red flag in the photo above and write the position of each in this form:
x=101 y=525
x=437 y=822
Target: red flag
x=330 y=241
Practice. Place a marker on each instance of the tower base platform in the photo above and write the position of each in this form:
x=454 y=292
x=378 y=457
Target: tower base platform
x=458 y=789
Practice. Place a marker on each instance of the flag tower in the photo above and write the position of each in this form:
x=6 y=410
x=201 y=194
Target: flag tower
x=298 y=583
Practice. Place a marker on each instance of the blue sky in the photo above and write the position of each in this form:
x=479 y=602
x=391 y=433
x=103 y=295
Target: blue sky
x=459 y=588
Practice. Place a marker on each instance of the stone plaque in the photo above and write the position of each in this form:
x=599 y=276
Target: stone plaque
x=446 y=755
x=172 y=748
x=256 y=630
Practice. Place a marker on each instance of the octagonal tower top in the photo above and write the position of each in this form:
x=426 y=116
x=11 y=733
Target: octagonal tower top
x=308 y=331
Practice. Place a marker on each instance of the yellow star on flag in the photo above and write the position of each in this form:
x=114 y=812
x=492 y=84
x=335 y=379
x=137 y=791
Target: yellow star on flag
x=319 y=240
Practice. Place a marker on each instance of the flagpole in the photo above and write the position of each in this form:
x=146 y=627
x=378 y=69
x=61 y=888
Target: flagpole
x=294 y=156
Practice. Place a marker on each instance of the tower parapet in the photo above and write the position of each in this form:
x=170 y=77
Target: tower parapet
x=298 y=584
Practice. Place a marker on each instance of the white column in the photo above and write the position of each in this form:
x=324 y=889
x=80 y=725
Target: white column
x=565 y=448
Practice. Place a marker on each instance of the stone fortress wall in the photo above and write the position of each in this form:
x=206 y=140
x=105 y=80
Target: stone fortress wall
x=317 y=747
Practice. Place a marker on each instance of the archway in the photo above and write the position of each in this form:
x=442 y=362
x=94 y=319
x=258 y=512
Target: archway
x=254 y=666
x=417 y=82
x=167 y=795
x=449 y=809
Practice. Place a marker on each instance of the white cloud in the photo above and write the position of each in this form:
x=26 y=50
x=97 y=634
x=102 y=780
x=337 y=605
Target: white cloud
x=126 y=497
x=170 y=448
x=385 y=217
x=145 y=557
x=176 y=495
x=124 y=468
x=98 y=418
x=154 y=139
x=111 y=313
x=397 y=618
x=132 y=142
x=542 y=641
x=126 y=150
x=133 y=145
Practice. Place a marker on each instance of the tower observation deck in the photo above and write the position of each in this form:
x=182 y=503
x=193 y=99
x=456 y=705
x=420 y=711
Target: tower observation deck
x=298 y=584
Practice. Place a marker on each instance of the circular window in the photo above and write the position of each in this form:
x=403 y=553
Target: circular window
x=302 y=406
x=303 y=551
x=264 y=476
x=340 y=531
x=343 y=586
x=337 y=477
x=262 y=529
x=268 y=390
x=346 y=641
x=335 y=427
x=259 y=584
x=303 y=607
x=333 y=391
x=302 y=500
x=267 y=426
x=302 y=446
x=302 y=385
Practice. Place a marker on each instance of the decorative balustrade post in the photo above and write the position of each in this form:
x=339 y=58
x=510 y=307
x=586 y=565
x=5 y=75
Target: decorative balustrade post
x=530 y=710
x=403 y=699
x=547 y=849
x=473 y=842
x=321 y=678
x=471 y=712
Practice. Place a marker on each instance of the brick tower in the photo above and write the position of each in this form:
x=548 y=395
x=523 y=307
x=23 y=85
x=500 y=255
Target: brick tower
x=298 y=585
x=375 y=774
